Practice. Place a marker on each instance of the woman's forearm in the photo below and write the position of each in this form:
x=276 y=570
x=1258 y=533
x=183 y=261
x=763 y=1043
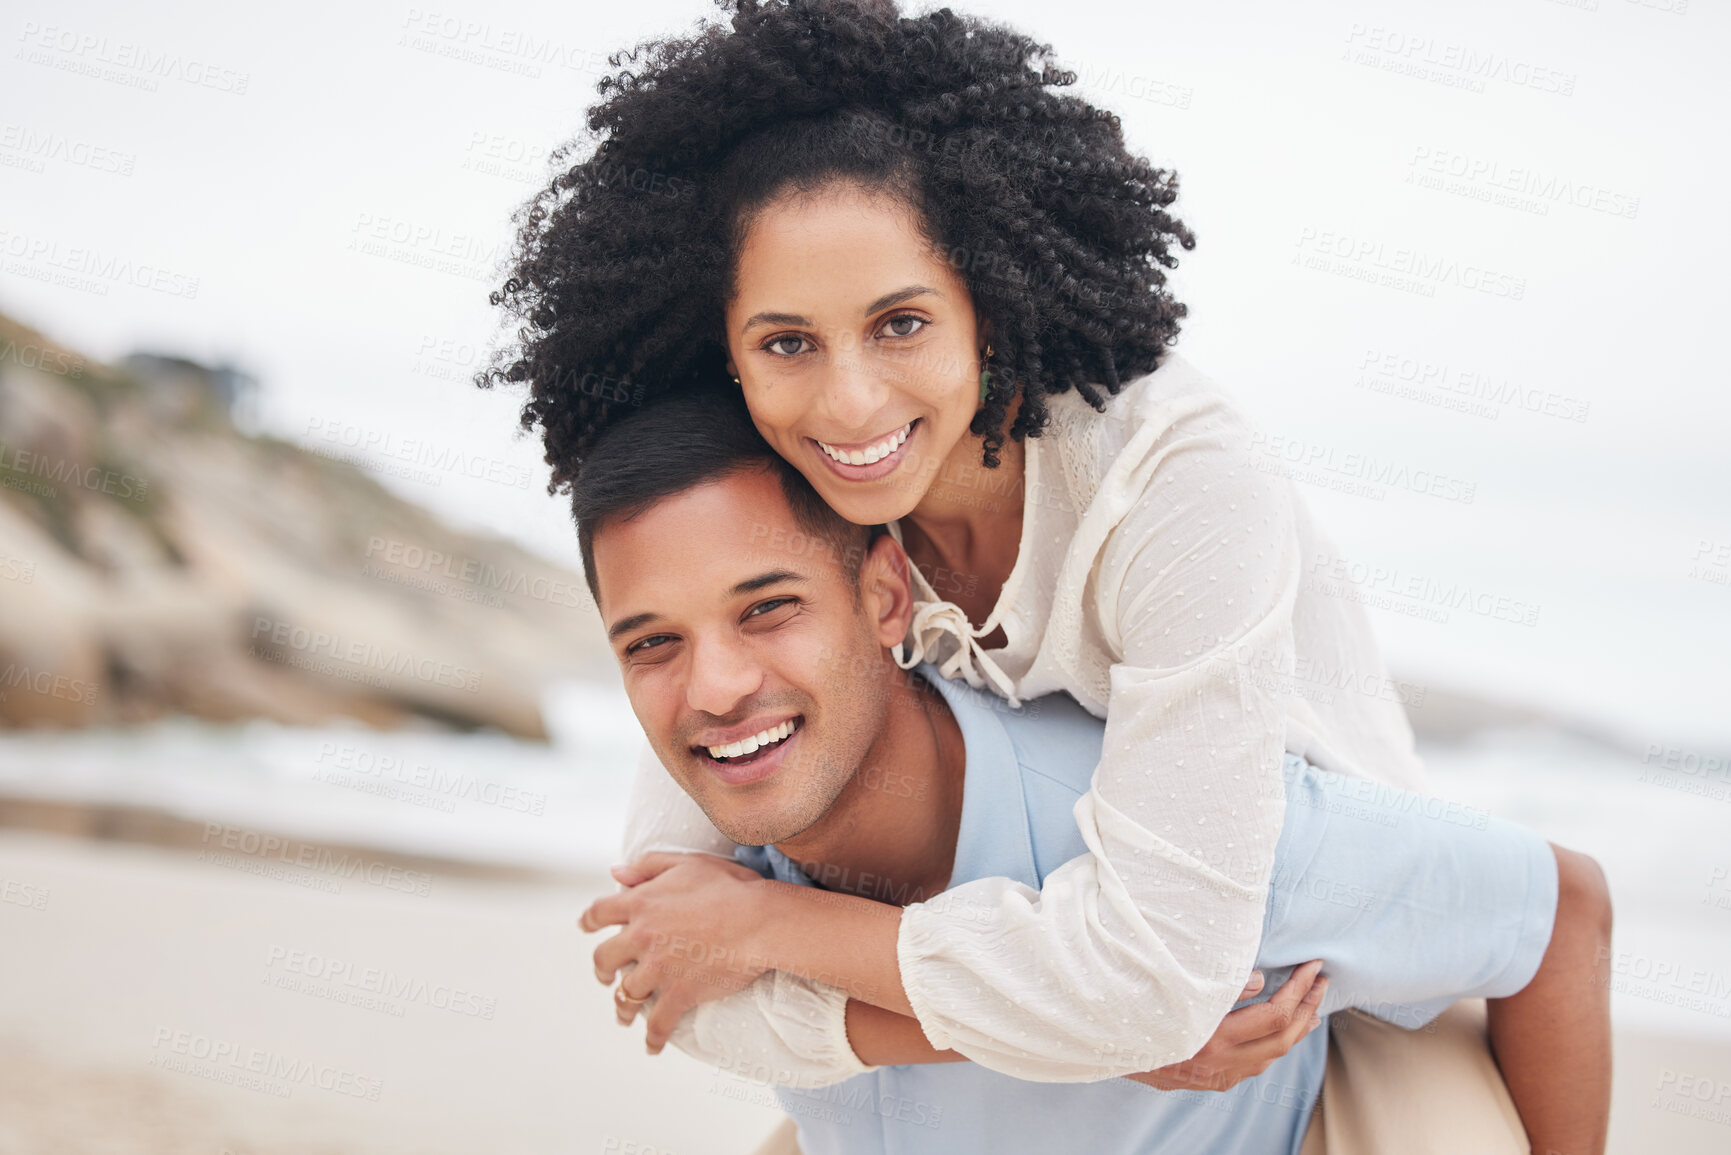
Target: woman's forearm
x=885 y=1039
x=839 y=939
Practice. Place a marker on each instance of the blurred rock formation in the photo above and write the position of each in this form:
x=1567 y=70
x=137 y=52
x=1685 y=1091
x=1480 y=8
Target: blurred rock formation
x=155 y=560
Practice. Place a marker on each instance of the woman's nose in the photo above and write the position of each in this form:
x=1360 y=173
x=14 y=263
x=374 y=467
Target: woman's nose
x=854 y=394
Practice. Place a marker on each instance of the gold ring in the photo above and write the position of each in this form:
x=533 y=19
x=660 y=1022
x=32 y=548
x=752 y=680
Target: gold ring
x=621 y=996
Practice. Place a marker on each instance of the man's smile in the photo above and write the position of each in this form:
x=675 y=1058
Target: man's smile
x=753 y=757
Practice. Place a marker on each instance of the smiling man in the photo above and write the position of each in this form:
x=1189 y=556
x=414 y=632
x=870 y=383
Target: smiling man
x=756 y=632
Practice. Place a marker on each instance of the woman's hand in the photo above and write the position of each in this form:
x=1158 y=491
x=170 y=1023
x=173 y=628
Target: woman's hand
x=1250 y=1038
x=687 y=919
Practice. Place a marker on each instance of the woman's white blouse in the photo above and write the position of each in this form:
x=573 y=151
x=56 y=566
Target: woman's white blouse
x=1166 y=581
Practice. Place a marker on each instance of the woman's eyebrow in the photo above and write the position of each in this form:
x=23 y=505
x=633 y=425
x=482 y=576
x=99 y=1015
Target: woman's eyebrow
x=898 y=297
x=876 y=306
x=772 y=319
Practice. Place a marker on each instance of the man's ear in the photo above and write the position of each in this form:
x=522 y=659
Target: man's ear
x=886 y=586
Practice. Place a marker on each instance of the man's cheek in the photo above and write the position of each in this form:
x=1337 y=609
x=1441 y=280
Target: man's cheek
x=650 y=691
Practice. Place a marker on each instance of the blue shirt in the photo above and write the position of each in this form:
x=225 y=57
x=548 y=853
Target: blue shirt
x=1412 y=903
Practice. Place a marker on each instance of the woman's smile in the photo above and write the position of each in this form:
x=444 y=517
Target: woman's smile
x=867 y=460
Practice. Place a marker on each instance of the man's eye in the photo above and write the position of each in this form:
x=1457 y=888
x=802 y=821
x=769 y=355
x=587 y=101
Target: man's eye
x=765 y=607
x=904 y=325
x=650 y=642
x=779 y=345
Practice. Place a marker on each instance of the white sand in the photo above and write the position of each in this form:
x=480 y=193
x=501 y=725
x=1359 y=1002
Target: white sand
x=136 y=943
x=133 y=944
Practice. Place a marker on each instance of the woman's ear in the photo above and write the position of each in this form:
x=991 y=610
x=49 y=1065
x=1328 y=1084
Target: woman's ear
x=886 y=586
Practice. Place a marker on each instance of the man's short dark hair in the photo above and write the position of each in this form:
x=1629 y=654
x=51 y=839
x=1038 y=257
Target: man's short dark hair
x=685 y=441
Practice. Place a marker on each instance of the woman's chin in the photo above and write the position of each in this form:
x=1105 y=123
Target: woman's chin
x=882 y=499
x=889 y=503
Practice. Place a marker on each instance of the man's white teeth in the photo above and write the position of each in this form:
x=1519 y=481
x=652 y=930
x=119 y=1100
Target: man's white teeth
x=870 y=453
x=755 y=742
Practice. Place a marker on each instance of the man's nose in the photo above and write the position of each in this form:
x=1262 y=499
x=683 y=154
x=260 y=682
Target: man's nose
x=723 y=675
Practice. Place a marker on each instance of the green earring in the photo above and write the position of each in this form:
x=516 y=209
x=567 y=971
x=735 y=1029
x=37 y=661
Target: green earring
x=985 y=376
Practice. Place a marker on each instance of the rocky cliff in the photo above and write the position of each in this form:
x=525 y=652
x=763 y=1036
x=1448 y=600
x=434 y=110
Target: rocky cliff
x=154 y=560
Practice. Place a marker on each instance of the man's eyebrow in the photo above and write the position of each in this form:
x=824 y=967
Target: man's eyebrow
x=749 y=585
x=626 y=625
x=898 y=297
x=773 y=577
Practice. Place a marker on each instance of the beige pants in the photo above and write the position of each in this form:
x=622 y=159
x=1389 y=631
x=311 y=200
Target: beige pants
x=1435 y=1091
x=1429 y=1092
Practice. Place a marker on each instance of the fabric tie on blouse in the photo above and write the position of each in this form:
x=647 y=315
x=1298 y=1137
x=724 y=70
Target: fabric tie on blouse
x=935 y=620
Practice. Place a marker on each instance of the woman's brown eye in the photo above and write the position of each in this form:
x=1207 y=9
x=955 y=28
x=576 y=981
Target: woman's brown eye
x=903 y=326
x=779 y=345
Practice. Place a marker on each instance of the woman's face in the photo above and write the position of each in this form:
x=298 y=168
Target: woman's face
x=855 y=343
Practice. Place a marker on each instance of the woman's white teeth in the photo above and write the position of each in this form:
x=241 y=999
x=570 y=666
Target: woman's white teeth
x=755 y=742
x=870 y=453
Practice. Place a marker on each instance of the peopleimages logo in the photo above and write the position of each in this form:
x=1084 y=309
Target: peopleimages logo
x=365 y=444
x=225 y=1061
x=88 y=269
x=1364 y=474
x=47 y=683
x=362 y=768
x=38 y=147
x=363 y=655
x=1465 y=389
x=517 y=50
x=342 y=980
x=34 y=356
x=1388 y=587
x=1522 y=180
x=124 y=62
x=469 y=572
x=65 y=472
x=1400 y=266
x=1446 y=62
x=239 y=848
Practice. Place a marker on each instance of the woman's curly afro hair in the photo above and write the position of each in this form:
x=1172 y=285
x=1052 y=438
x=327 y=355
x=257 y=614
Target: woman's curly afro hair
x=623 y=263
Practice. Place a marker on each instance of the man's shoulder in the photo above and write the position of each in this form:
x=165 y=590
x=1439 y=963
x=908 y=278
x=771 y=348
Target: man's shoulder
x=1056 y=739
x=1051 y=736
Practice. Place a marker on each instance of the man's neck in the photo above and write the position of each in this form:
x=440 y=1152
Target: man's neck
x=891 y=835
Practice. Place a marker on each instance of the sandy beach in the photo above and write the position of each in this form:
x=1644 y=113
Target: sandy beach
x=162 y=999
x=139 y=986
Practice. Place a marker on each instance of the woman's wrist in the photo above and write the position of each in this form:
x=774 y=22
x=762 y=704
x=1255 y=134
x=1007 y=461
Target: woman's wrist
x=881 y=1038
x=767 y=908
x=837 y=939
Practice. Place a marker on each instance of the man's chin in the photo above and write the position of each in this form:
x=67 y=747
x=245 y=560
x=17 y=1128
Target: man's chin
x=756 y=832
x=761 y=824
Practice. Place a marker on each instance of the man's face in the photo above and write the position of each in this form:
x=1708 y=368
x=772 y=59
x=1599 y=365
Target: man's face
x=758 y=673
